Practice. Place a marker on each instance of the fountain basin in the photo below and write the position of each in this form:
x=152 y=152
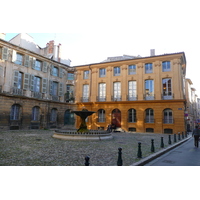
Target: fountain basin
x=74 y=135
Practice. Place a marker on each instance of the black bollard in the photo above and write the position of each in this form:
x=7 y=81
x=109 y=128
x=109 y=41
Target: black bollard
x=162 y=143
x=186 y=134
x=152 y=145
x=174 y=137
x=182 y=135
x=120 y=161
x=87 y=159
x=169 y=141
x=179 y=136
x=139 y=154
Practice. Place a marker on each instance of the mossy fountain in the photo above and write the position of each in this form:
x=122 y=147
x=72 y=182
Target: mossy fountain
x=82 y=133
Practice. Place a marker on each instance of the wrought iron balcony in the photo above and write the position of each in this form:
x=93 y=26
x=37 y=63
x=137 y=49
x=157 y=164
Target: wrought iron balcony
x=167 y=95
x=101 y=98
x=116 y=98
x=85 y=99
x=54 y=98
x=149 y=96
x=132 y=97
x=37 y=95
x=16 y=91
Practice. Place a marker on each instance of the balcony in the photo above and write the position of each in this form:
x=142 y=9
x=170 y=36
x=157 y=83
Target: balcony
x=167 y=96
x=55 y=98
x=132 y=97
x=116 y=98
x=101 y=98
x=85 y=99
x=16 y=91
x=37 y=95
x=149 y=96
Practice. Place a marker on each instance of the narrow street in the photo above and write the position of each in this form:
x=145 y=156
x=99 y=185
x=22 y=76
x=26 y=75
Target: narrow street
x=184 y=155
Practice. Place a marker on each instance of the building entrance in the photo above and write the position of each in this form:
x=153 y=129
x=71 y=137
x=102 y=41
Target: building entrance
x=116 y=117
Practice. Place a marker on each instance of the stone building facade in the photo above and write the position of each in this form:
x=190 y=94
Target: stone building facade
x=35 y=91
x=144 y=94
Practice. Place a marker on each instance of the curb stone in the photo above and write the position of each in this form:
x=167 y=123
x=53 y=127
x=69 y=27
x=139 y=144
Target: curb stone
x=146 y=160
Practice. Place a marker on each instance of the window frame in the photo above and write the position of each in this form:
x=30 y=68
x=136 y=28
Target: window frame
x=165 y=66
x=117 y=71
x=131 y=71
x=102 y=72
x=148 y=68
x=86 y=74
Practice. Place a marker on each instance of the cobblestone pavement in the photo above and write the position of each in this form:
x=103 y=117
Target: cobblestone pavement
x=38 y=148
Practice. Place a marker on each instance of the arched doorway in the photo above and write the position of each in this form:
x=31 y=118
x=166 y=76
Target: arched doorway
x=116 y=117
x=69 y=118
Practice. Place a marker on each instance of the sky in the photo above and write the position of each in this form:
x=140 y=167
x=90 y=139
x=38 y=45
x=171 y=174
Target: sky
x=90 y=31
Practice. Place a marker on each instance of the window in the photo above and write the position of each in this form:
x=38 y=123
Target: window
x=102 y=72
x=102 y=92
x=148 y=68
x=86 y=74
x=15 y=112
x=117 y=91
x=167 y=88
x=101 y=115
x=166 y=66
x=19 y=83
x=149 y=89
x=132 y=90
x=168 y=116
x=53 y=116
x=36 y=113
x=55 y=88
x=85 y=93
x=19 y=59
x=69 y=93
x=132 y=115
x=55 y=71
x=37 y=84
x=149 y=115
x=131 y=69
x=70 y=76
x=38 y=65
x=117 y=71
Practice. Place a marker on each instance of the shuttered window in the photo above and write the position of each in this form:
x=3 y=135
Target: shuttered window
x=60 y=89
x=44 y=67
x=26 y=81
x=5 y=53
x=44 y=85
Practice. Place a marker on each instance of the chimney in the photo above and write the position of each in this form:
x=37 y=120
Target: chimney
x=152 y=52
x=2 y=36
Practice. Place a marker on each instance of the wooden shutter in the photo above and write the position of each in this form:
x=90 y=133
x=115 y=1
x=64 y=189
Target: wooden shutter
x=1 y=71
x=60 y=89
x=31 y=82
x=26 y=81
x=44 y=67
x=5 y=53
x=44 y=85
x=26 y=62
x=16 y=75
x=50 y=87
x=14 y=56
x=51 y=69
x=60 y=72
x=33 y=63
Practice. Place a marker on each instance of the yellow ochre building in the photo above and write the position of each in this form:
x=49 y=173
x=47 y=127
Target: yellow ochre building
x=139 y=94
